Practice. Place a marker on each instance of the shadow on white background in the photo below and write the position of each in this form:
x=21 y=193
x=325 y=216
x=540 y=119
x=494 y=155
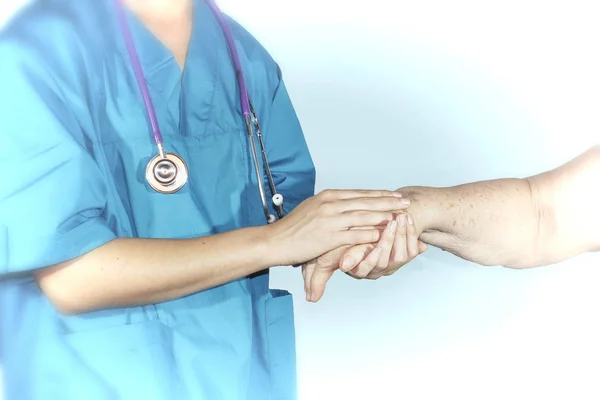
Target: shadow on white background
x=441 y=93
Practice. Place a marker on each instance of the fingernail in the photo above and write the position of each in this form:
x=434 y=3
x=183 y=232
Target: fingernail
x=396 y=194
x=402 y=220
x=410 y=220
x=347 y=263
x=406 y=202
x=393 y=225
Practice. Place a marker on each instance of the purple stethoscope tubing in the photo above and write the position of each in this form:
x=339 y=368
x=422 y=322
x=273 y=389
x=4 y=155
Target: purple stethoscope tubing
x=248 y=113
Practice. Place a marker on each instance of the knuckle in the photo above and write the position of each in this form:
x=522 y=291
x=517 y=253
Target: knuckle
x=325 y=261
x=357 y=252
x=325 y=195
x=326 y=208
x=362 y=270
x=368 y=266
x=321 y=261
x=400 y=259
x=379 y=269
x=390 y=271
x=389 y=239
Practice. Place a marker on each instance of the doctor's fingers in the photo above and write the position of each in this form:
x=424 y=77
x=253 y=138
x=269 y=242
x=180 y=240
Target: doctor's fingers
x=406 y=245
x=334 y=194
x=386 y=243
x=354 y=256
x=307 y=271
x=318 y=282
x=332 y=258
x=389 y=204
x=376 y=261
x=355 y=237
x=407 y=242
x=320 y=271
x=412 y=238
x=397 y=255
x=357 y=220
x=400 y=250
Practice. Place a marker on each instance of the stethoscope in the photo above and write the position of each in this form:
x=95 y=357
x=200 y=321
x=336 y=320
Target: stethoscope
x=167 y=172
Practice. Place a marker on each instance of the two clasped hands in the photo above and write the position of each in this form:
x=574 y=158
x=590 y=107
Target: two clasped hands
x=367 y=234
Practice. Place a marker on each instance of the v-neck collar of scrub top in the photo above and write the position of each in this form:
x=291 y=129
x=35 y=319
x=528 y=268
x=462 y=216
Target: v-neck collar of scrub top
x=178 y=89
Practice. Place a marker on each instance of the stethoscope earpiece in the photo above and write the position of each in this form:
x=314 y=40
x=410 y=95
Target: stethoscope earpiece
x=278 y=200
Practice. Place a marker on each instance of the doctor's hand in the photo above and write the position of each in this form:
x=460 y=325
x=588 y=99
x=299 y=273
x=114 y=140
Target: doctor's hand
x=397 y=246
x=323 y=223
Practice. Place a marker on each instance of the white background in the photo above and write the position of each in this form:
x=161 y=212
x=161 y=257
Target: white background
x=394 y=93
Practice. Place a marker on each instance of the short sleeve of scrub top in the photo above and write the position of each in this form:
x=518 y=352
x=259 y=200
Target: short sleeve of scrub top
x=53 y=194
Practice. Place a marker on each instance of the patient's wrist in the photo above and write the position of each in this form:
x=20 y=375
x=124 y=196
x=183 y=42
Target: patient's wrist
x=426 y=207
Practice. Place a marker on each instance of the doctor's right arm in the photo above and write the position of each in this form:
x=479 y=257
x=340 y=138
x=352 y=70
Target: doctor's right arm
x=129 y=271
x=53 y=197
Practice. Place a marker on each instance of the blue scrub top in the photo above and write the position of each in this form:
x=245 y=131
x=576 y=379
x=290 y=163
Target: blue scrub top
x=74 y=143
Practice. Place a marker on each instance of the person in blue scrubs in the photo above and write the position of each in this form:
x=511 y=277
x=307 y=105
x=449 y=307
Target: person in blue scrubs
x=111 y=290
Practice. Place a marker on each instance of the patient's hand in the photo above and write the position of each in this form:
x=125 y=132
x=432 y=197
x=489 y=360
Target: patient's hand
x=398 y=245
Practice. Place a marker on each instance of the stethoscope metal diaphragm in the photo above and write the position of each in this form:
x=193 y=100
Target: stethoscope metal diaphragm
x=166 y=174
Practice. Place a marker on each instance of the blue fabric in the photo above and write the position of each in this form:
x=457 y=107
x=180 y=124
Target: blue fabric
x=74 y=125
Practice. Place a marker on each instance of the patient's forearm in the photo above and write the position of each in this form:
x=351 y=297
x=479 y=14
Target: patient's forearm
x=517 y=223
x=491 y=222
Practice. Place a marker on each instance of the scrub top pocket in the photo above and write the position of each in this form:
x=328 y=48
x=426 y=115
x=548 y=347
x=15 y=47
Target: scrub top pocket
x=129 y=362
x=281 y=342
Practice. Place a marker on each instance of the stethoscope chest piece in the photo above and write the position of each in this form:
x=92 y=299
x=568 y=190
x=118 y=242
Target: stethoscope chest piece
x=166 y=174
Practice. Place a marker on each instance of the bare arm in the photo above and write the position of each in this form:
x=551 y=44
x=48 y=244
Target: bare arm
x=516 y=223
x=128 y=272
